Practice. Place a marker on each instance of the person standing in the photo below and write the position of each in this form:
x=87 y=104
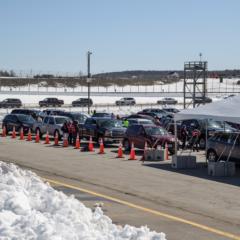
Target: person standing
x=184 y=136
x=195 y=139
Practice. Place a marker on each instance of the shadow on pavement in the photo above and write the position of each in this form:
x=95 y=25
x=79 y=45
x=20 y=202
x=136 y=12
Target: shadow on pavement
x=201 y=172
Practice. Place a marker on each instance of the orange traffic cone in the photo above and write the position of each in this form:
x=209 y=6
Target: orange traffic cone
x=56 y=138
x=166 y=151
x=65 y=140
x=21 y=134
x=4 y=132
x=14 y=133
x=90 y=145
x=77 y=145
x=37 y=139
x=120 y=151
x=47 y=140
x=29 y=137
x=132 y=153
x=101 y=149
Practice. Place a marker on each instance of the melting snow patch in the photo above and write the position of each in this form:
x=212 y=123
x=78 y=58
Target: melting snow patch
x=31 y=209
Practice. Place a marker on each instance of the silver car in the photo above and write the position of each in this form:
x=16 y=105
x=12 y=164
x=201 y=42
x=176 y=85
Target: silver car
x=126 y=101
x=50 y=124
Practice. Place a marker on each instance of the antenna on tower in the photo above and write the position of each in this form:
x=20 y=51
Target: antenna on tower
x=200 y=56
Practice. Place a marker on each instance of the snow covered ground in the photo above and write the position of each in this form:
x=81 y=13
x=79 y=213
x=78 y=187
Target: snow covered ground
x=31 y=209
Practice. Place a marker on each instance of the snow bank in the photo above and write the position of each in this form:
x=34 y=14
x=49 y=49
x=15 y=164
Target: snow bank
x=31 y=209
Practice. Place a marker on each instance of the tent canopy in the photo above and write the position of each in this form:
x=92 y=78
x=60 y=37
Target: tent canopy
x=223 y=110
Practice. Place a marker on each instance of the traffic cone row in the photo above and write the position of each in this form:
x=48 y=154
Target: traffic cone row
x=77 y=144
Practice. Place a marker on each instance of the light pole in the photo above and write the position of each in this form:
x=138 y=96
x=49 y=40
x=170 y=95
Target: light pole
x=88 y=78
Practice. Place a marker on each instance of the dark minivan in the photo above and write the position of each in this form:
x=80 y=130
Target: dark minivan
x=150 y=134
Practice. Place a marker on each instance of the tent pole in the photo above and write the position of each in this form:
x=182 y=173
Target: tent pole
x=175 y=134
x=206 y=139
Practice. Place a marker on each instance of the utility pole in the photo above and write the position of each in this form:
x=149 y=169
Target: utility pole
x=89 y=80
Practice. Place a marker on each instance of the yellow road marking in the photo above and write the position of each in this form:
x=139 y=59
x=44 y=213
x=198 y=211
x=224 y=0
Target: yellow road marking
x=155 y=212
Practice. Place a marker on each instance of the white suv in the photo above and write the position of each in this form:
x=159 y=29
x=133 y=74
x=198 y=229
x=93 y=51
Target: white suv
x=126 y=101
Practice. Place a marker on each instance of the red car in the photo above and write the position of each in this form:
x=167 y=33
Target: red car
x=153 y=135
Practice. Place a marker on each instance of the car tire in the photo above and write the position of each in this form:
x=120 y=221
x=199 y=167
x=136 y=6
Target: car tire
x=212 y=156
x=126 y=145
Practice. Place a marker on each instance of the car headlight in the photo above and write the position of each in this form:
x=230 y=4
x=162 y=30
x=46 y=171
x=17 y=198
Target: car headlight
x=108 y=133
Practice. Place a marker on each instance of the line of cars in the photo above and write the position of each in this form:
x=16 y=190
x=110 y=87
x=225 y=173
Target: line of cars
x=80 y=102
x=154 y=126
x=100 y=125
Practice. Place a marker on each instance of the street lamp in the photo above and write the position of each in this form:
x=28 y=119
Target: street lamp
x=89 y=80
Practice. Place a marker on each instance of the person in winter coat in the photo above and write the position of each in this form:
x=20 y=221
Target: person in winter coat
x=69 y=127
x=195 y=139
x=64 y=129
x=184 y=136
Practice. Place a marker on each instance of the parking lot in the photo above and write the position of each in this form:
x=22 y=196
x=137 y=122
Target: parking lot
x=185 y=204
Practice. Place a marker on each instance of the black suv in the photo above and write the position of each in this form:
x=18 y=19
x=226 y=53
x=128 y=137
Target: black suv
x=18 y=121
x=82 y=102
x=54 y=102
x=213 y=126
x=11 y=103
x=32 y=112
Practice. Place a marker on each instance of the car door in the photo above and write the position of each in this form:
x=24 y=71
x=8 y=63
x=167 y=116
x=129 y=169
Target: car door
x=132 y=134
x=88 y=127
x=11 y=122
x=44 y=125
x=140 y=137
x=235 y=155
x=51 y=126
x=223 y=146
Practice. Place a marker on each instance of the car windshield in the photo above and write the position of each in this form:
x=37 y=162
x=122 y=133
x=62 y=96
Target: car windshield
x=155 y=131
x=214 y=124
x=25 y=118
x=225 y=125
x=79 y=117
x=102 y=115
x=145 y=121
x=60 y=120
x=109 y=123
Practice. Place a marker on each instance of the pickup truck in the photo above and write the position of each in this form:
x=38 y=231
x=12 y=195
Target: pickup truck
x=50 y=124
x=110 y=130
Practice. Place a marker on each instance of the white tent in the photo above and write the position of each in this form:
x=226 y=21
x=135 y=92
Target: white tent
x=223 y=110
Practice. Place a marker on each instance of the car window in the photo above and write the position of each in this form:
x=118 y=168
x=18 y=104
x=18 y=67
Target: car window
x=25 y=118
x=60 y=120
x=155 y=131
x=133 y=130
x=45 y=120
x=90 y=121
x=51 y=121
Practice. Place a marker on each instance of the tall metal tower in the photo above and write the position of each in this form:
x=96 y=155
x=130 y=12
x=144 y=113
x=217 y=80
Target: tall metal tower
x=195 y=83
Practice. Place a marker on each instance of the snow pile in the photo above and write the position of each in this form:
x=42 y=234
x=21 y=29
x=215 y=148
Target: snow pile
x=31 y=209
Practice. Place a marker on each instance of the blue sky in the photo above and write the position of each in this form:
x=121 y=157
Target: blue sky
x=54 y=35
